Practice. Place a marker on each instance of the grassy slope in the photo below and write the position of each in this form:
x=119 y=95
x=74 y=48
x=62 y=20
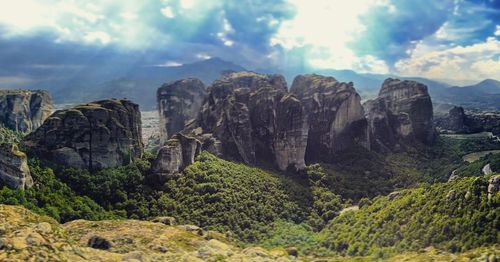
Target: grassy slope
x=453 y=216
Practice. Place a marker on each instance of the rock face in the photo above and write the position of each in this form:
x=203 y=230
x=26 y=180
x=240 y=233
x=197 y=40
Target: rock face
x=253 y=118
x=14 y=170
x=179 y=152
x=335 y=115
x=178 y=103
x=402 y=113
x=96 y=135
x=494 y=185
x=458 y=121
x=23 y=110
x=240 y=115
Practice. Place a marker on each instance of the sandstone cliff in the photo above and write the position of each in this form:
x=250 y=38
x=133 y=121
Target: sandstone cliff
x=96 y=135
x=252 y=118
x=178 y=103
x=14 y=170
x=459 y=121
x=24 y=110
x=177 y=153
x=335 y=115
x=402 y=113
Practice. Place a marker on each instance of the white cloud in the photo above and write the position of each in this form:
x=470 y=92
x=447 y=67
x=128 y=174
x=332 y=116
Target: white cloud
x=461 y=63
x=167 y=12
x=497 y=32
x=188 y=4
x=169 y=64
x=325 y=29
x=97 y=37
x=203 y=56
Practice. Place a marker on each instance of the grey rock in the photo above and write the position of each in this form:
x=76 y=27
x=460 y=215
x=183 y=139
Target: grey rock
x=98 y=242
x=334 y=113
x=393 y=195
x=493 y=186
x=24 y=110
x=179 y=152
x=178 y=103
x=487 y=170
x=14 y=170
x=96 y=135
x=402 y=113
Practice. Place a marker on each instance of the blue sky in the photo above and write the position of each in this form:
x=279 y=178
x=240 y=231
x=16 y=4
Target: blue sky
x=454 y=40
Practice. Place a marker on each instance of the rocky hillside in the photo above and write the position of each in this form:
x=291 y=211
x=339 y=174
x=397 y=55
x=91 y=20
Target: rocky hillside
x=28 y=236
x=96 y=135
x=24 y=110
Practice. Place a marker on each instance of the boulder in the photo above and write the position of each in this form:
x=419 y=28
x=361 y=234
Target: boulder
x=487 y=170
x=178 y=103
x=335 y=115
x=179 y=152
x=24 y=110
x=96 y=135
x=402 y=114
x=14 y=170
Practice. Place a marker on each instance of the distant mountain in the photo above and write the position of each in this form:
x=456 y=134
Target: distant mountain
x=138 y=83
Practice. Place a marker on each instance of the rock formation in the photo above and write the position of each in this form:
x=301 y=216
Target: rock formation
x=402 y=113
x=96 y=135
x=240 y=115
x=178 y=103
x=335 y=115
x=461 y=122
x=493 y=186
x=177 y=153
x=24 y=110
x=253 y=118
x=14 y=170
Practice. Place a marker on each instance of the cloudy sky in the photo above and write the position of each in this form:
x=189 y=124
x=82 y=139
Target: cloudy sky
x=445 y=39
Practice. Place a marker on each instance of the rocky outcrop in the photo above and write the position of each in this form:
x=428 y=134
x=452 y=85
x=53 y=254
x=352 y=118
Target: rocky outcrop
x=253 y=118
x=177 y=153
x=461 y=122
x=290 y=140
x=96 y=135
x=335 y=115
x=402 y=113
x=493 y=186
x=178 y=103
x=27 y=236
x=24 y=110
x=240 y=116
x=14 y=170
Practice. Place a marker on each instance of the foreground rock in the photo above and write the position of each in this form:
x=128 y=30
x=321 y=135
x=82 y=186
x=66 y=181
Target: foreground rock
x=178 y=152
x=14 y=170
x=91 y=136
x=335 y=115
x=402 y=114
x=30 y=237
x=24 y=110
x=178 y=103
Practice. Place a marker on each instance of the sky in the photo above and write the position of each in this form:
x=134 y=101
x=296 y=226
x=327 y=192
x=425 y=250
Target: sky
x=453 y=40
